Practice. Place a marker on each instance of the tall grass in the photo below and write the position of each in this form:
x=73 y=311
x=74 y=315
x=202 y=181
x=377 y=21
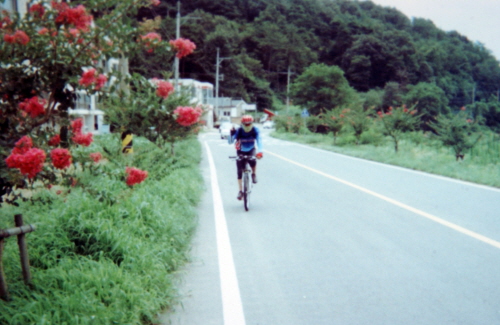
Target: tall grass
x=417 y=151
x=105 y=253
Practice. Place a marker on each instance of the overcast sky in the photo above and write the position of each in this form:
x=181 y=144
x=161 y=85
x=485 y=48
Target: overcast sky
x=478 y=20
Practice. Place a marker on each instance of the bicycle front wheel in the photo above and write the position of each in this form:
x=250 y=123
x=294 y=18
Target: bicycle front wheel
x=246 y=191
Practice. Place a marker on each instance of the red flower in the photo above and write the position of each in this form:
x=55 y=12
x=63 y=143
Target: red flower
x=83 y=139
x=33 y=106
x=135 y=176
x=150 y=40
x=19 y=37
x=55 y=140
x=96 y=156
x=23 y=145
x=91 y=77
x=187 y=116
x=77 y=125
x=5 y=21
x=183 y=47
x=61 y=158
x=155 y=2
x=101 y=81
x=29 y=163
x=37 y=10
x=73 y=16
x=43 y=31
x=164 y=89
x=88 y=78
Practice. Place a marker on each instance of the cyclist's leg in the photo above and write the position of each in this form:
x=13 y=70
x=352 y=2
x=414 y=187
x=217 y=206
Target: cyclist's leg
x=239 y=167
x=253 y=166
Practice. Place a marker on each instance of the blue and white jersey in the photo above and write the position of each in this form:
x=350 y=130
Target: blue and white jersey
x=247 y=139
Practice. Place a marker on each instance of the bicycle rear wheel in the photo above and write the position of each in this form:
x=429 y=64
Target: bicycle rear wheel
x=246 y=191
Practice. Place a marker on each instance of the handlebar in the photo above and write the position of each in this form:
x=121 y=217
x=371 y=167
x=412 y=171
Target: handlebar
x=241 y=157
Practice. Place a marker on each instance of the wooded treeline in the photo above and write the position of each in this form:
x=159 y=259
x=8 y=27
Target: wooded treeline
x=373 y=45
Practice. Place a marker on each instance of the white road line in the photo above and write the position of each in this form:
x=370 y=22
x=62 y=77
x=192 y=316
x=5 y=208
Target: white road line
x=231 y=299
x=443 y=222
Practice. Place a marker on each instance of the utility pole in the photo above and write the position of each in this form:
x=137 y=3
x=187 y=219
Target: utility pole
x=177 y=36
x=289 y=73
x=217 y=65
x=288 y=90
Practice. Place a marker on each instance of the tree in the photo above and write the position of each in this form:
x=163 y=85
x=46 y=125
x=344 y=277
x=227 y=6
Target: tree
x=359 y=121
x=321 y=86
x=397 y=121
x=429 y=100
x=458 y=131
x=335 y=120
x=151 y=109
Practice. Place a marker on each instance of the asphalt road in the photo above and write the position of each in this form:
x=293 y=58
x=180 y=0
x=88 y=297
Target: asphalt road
x=331 y=239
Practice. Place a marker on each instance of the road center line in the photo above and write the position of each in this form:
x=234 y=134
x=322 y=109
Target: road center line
x=231 y=299
x=443 y=222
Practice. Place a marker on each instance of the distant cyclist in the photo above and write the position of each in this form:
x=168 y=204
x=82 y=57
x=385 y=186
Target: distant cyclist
x=246 y=137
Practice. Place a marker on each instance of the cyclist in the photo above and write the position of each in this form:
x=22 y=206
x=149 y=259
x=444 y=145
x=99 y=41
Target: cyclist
x=246 y=137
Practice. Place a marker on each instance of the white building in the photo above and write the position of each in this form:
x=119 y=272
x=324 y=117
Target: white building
x=201 y=94
x=232 y=109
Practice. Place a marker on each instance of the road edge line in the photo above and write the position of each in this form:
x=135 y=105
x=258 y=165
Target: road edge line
x=231 y=299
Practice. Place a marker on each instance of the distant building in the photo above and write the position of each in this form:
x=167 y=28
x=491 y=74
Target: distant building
x=232 y=109
x=200 y=94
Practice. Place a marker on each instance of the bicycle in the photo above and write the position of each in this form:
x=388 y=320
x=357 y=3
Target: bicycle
x=246 y=178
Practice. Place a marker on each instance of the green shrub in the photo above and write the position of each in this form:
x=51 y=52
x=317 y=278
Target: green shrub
x=104 y=253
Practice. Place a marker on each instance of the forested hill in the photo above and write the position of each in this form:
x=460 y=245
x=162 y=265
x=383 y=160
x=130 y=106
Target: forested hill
x=373 y=45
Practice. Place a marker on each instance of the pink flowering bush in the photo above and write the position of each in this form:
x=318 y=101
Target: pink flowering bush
x=187 y=116
x=45 y=57
x=150 y=41
x=164 y=89
x=183 y=46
